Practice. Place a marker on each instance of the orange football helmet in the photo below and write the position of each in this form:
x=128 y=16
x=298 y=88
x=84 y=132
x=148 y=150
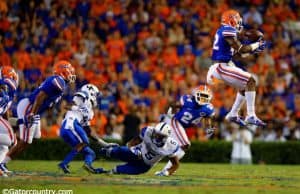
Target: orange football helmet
x=202 y=94
x=7 y=72
x=65 y=70
x=232 y=18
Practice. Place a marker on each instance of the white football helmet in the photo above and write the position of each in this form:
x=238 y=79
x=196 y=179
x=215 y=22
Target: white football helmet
x=160 y=134
x=202 y=94
x=93 y=92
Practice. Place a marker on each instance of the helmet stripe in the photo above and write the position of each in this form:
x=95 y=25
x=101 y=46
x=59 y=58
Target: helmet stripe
x=162 y=126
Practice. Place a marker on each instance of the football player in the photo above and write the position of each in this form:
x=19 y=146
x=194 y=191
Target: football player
x=225 y=45
x=9 y=81
x=75 y=128
x=30 y=108
x=193 y=110
x=145 y=151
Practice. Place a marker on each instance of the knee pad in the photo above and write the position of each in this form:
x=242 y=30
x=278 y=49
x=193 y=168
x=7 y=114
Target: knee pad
x=88 y=151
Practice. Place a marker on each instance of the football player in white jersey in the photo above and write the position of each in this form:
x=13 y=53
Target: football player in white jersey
x=145 y=151
x=75 y=129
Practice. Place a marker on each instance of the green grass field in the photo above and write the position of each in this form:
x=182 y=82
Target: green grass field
x=190 y=178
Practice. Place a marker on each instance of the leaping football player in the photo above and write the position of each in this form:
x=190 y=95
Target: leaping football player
x=225 y=45
x=30 y=108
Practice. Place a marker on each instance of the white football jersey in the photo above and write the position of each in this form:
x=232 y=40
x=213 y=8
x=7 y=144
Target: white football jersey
x=82 y=111
x=152 y=154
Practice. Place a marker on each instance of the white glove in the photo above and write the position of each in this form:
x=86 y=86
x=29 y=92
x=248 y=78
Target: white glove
x=209 y=131
x=162 y=173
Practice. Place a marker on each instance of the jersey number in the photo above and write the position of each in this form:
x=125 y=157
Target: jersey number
x=150 y=155
x=187 y=117
x=215 y=46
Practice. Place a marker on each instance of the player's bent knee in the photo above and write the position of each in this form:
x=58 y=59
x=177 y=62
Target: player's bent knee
x=186 y=147
x=251 y=83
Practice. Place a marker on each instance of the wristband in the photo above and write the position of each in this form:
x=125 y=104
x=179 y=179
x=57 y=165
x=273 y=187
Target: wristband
x=254 y=46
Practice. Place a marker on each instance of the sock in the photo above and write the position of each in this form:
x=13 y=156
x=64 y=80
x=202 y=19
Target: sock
x=70 y=157
x=3 y=152
x=250 y=100
x=238 y=103
x=89 y=155
x=6 y=159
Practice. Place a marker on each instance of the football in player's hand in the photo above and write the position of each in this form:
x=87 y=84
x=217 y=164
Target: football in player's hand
x=251 y=35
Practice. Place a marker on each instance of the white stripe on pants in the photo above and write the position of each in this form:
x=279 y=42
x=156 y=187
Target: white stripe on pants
x=231 y=75
x=178 y=132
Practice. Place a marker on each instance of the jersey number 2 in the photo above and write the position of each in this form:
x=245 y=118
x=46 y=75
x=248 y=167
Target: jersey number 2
x=215 y=46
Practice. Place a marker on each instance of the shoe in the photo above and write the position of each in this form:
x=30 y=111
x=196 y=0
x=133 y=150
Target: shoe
x=88 y=168
x=100 y=171
x=92 y=170
x=236 y=119
x=253 y=120
x=64 y=168
x=3 y=174
x=4 y=168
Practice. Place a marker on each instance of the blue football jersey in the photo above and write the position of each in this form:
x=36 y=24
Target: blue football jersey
x=222 y=51
x=10 y=93
x=191 y=112
x=54 y=87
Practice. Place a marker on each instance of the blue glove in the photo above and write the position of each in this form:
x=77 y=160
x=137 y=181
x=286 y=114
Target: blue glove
x=161 y=117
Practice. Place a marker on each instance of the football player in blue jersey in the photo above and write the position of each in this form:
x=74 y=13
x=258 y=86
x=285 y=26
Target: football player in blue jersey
x=9 y=81
x=30 y=108
x=226 y=44
x=193 y=110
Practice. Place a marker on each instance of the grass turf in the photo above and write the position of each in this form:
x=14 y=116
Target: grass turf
x=190 y=178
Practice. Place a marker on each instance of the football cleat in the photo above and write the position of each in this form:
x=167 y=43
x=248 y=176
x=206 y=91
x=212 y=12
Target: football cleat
x=253 y=120
x=92 y=170
x=3 y=174
x=64 y=168
x=4 y=168
x=236 y=119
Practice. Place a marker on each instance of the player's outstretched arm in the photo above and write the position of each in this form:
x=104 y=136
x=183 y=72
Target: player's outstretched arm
x=134 y=141
x=94 y=136
x=242 y=48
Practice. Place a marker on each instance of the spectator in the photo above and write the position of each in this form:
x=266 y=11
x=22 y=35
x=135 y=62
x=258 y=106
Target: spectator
x=241 y=141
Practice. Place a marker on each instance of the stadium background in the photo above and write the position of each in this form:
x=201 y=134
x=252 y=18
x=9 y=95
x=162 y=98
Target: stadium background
x=145 y=54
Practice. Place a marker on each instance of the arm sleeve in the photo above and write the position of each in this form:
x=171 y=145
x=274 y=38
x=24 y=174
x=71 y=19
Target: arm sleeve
x=186 y=100
x=53 y=85
x=229 y=32
x=210 y=110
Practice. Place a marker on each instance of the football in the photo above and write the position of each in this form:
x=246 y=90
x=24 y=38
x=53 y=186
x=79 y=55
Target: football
x=251 y=35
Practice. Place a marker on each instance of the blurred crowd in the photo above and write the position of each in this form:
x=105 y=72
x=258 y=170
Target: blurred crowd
x=145 y=54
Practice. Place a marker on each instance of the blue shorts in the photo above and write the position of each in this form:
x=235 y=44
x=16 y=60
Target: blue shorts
x=134 y=164
x=75 y=136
